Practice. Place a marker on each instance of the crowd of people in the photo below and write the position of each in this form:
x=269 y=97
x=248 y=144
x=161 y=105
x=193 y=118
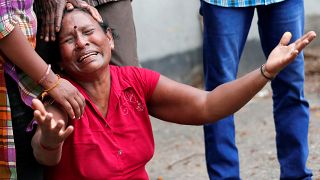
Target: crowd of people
x=98 y=104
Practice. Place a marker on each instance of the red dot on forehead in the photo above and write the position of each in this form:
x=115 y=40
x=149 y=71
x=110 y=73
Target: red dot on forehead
x=75 y=27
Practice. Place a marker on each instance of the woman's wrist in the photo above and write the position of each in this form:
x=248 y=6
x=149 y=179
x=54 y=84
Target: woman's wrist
x=50 y=80
x=265 y=73
x=50 y=148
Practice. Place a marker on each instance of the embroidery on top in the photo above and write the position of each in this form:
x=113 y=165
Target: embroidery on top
x=129 y=99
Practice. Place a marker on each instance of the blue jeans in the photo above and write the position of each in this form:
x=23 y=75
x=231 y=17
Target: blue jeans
x=225 y=33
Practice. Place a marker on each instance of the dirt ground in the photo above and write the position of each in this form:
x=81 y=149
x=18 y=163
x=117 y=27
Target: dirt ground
x=180 y=150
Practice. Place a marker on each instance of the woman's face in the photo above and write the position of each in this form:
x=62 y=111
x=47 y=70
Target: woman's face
x=84 y=46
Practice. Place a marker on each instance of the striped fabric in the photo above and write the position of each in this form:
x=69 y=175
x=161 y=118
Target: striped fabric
x=241 y=3
x=7 y=150
x=13 y=13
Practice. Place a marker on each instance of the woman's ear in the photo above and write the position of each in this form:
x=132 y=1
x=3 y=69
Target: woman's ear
x=110 y=38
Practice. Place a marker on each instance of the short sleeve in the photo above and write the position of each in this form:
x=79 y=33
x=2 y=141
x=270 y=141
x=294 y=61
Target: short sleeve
x=143 y=80
x=150 y=80
x=7 y=21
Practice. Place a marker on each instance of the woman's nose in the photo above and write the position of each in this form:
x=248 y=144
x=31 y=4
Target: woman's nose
x=81 y=42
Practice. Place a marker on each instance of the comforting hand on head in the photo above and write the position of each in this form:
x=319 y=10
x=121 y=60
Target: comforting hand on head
x=51 y=15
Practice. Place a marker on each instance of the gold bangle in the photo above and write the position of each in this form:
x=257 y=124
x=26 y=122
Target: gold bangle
x=45 y=92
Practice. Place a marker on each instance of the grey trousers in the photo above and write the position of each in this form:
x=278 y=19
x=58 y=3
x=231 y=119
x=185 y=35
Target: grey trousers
x=120 y=18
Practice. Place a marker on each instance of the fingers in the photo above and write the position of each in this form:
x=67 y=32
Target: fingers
x=69 y=6
x=46 y=26
x=285 y=39
x=61 y=132
x=52 y=27
x=37 y=105
x=44 y=121
x=68 y=108
x=93 y=11
x=81 y=101
x=38 y=117
x=302 y=42
x=43 y=26
x=58 y=16
x=59 y=126
x=76 y=107
x=82 y=4
x=49 y=33
x=77 y=104
x=64 y=134
x=47 y=124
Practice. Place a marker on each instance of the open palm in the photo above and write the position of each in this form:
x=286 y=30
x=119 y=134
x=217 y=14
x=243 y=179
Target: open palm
x=283 y=54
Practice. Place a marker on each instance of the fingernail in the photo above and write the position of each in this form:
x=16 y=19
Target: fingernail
x=73 y=117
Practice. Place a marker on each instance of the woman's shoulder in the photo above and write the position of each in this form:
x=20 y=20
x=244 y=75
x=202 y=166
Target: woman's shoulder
x=127 y=72
x=133 y=74
x=130 y=70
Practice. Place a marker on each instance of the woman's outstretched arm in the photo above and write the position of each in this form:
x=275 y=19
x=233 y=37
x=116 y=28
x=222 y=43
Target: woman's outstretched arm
x=179 y=103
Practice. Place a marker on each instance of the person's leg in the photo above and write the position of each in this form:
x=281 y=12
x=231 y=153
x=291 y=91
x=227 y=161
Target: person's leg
x=225 y=33
x=27 y=166
x=291 y=109
x=120 y=18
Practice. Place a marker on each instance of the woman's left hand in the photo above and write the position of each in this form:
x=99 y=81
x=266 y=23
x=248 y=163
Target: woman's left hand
x=284 y=54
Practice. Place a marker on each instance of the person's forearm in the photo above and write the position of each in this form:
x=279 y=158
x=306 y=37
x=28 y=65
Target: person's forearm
x=230 y=97
x=48 y=157
x=18 y=50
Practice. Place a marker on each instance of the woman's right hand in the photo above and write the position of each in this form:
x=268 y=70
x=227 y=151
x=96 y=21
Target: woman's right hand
x=53 y=132
x=69 y=98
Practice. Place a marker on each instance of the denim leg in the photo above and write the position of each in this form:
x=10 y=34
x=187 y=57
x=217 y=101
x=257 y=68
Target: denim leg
x=225 y=33
x=27 y=167
x=291 y=109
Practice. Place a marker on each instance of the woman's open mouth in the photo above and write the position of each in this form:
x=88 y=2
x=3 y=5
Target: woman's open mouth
x=82 y=58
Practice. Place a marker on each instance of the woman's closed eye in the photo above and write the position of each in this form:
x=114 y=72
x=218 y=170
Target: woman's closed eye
x=88 y=31
x=67 y=40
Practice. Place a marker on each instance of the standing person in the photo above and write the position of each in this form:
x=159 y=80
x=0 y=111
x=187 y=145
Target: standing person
x=117 y=12
x=226 y=26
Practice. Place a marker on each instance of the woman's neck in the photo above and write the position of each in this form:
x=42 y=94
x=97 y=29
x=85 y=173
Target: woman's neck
x=99 y=90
